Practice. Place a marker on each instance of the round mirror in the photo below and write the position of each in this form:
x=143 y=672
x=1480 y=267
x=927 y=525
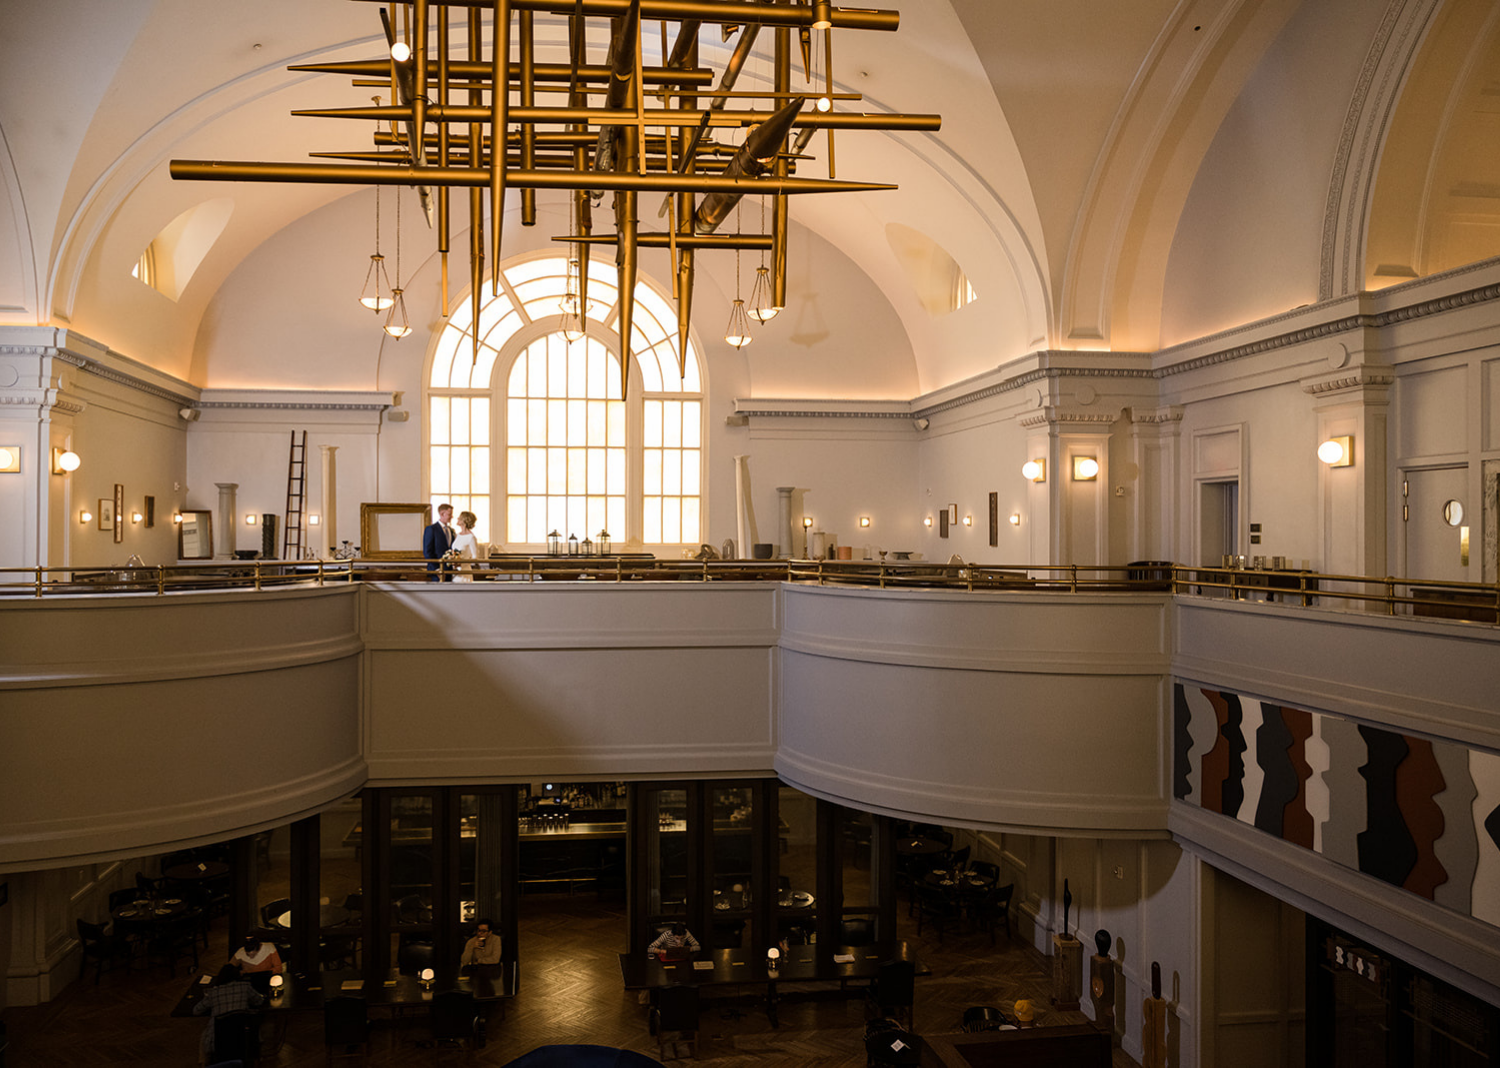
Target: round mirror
x=1453 y=513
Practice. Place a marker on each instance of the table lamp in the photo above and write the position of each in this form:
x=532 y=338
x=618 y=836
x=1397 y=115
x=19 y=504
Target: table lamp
x=427 y=978
x=278 y=983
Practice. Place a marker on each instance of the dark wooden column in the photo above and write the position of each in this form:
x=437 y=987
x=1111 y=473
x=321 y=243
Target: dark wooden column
x=304 y=895
x=765 y=858
x=375 y=883
x=883 y=876
x=243 y=879
x=830 y=873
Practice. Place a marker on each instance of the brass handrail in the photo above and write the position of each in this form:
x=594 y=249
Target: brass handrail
x=1390 y=595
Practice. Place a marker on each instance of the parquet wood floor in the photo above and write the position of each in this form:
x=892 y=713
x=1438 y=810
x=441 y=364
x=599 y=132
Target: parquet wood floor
x=570 y=992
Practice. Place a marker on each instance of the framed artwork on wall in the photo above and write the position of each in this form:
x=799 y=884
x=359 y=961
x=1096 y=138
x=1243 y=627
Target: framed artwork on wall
x=106 y=513
x=150 y=511
x=119 y=512
x=994 y=519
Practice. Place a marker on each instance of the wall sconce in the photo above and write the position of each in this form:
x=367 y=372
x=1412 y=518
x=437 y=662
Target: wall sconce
x=176 y=517
x=968 y=520
x=136 y=517
x=314 y=519
x=10 y=459
x=65 y=461
x=1085 y=469
x=1035 y=470
x=807 y=522
x=85 y=516
x=927 y=522
x=1015 y=519
x=249 y=519
x=864 y=520
x=1337 y=452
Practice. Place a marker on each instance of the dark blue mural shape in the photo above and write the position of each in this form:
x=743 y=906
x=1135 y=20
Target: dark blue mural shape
x=1386 y=848
x=1273 y=743
x=1182 y=743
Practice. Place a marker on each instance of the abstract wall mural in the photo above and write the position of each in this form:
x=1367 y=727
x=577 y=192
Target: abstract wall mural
x=1418 y=814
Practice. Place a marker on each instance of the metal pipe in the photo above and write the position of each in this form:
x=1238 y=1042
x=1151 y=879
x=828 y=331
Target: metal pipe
x=461 y=70
x=656 y=182
x=711 y=11
x=842 y=120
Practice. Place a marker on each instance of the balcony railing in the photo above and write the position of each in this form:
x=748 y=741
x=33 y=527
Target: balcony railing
x=1476 y=602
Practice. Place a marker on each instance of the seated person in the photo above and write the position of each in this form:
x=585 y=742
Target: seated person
x=256 y=956
x=677 y=941
x=483 y=948
x=229 y=993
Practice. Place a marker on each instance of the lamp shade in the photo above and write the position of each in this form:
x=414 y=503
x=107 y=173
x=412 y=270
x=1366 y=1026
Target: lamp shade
x=65 y=461
x=1035 y=470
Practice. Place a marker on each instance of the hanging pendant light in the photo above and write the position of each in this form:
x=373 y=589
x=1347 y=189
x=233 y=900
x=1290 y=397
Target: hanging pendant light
x=761 y=308
x=396 y=323
x=737 y=333
x=571 y=303
x=376 y=292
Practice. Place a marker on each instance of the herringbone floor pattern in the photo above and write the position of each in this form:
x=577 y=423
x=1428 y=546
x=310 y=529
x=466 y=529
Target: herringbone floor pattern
x=570 y=992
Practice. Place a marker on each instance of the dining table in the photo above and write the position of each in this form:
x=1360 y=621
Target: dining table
x=919 y=847
x=736 y=967
x=328 y=916
x=488 y=983
x=199 y=871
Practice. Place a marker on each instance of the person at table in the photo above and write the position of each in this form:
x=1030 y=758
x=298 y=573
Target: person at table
x=482 y=949
x=256 y=956
x=466 y=545
x=437 y=539
x=676 y=940
x=229 y=993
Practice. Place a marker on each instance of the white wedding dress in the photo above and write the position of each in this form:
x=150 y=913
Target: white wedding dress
x=467 y=547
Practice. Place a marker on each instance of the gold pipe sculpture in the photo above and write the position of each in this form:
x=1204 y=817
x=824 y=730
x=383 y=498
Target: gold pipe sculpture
x=629 y=126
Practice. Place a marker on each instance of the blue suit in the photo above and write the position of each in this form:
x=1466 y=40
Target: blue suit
x=435 y=542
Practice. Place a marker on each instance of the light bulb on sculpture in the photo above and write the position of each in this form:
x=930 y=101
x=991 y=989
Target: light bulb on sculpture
x=400 y=51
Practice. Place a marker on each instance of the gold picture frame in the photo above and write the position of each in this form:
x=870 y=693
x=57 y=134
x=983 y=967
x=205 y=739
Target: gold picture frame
x=119 y=513
x=106 y=513
x=392 y=531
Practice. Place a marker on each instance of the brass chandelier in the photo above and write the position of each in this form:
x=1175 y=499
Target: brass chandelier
x=624 y=128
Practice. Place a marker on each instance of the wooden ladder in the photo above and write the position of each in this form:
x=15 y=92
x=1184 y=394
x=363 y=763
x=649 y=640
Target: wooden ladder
x=296 y=489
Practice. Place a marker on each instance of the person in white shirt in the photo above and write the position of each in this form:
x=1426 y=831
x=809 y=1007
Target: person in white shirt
x=466 y=545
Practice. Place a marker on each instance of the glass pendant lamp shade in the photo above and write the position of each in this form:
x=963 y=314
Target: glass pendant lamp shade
x=761 y=309
x=375 y=295
x=396 y=323
x=737 y=333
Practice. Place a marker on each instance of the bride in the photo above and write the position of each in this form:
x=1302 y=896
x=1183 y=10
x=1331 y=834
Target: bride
x=466 y=546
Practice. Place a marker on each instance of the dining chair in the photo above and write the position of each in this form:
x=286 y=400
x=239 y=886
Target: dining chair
x=271 y=910
x=675 y=1012
x=856 y=931
x=454 y=1018
x=237 y=1037
x=995 y=905
x=958 y=858
x=985 y=869
x=412 y=957
x=346 y=1028
x=127 y=896
x=895 y=990
x=100 y=947
x=936 y=905
x=983 y=1018
x=174 y=938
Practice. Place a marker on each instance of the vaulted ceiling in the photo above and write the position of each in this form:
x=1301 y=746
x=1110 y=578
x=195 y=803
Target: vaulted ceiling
x=1087 y=157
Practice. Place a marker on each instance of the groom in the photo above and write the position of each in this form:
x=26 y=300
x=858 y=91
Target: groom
x=436 y=540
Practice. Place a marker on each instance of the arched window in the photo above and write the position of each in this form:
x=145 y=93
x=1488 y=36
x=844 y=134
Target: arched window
x=532 y=436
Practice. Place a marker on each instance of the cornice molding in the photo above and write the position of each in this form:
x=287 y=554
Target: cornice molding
x=1355 y=378
x=47 y=400
x=1172 y=413
x=1050 y=416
